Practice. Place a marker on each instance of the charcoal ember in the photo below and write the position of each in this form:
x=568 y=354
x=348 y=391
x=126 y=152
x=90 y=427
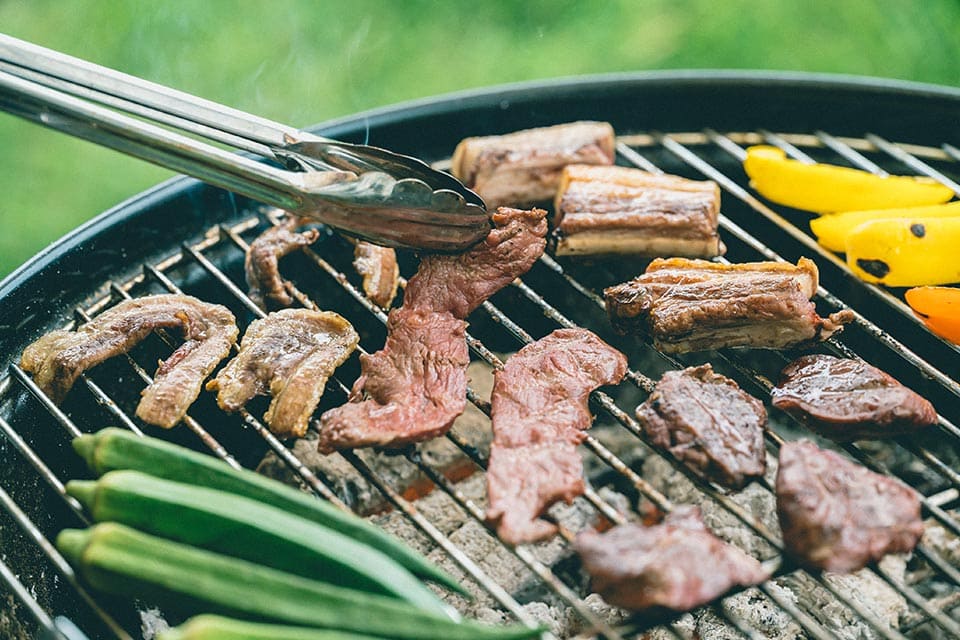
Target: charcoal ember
x=752 y=608
x=708 y=422
x=677 y=564
x=837 y=515
x=847 y=399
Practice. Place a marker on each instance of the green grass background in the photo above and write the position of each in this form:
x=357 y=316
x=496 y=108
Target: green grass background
x=302 y=62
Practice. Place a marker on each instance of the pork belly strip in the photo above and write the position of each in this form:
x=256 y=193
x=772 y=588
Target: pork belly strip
x=378 y=267
x=262 y=263
x=837 y=515
x=524 y=167
x=847 y=399
x=709 y=423
x=209 y=331
x=289 y=355
x=411 y=390
x=414 y=388
x=677 y=564
x=460 y=283
x=610 y=210
x=539 y=412
x=691 y=305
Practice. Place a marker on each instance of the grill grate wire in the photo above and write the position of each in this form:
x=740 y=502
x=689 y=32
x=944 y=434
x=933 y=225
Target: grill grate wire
x=216 y=238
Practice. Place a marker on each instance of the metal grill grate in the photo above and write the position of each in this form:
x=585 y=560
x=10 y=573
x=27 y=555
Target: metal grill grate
x=553 y=294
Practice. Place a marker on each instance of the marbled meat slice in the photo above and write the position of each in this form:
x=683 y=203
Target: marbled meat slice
x=837 y=515
x=461 y=283
x=708 y=422
x=378 y=267
x=411 y=390
x=416 y=385
x=209 y=331
x=847 y=399
x=539 y=412
x=621 y=210
x=524 y=167
x=677 y=564
x=289 y=355
x=691 y=305
x=262 y=263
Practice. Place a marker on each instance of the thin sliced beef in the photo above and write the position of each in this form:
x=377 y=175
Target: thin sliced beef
x=411 y=390
x=209 y=331
x=378 y=267
x=289 y=355
x=620 y=210
x=524 y=167
x=415 y=387
x=708 y=422
x=460 y=283
x=539 y=412
x=847 y=399
x=691 y=305
x=837 y=515
x=262 y=264
x=677 y=564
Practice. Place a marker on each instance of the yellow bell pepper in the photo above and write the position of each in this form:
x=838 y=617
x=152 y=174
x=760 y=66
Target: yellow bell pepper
x=906 y=252
x=831 y=229
x=940 y=309
x=825 y=188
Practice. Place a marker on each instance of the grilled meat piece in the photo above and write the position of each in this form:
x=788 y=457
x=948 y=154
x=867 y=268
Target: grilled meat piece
x=378 y=267
x=620 y=210
x=290 y=354
x=524 y=167
x=691 y=305
x=461 y=283
x=539 y=412
x=847 y=399
x=707 y=421
x=267 y=288
x=677 y=564
x=837 y=515
x=209 y=331
x=416 y=385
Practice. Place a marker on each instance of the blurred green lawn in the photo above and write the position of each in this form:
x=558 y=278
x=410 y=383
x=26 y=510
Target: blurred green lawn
x=302 y=62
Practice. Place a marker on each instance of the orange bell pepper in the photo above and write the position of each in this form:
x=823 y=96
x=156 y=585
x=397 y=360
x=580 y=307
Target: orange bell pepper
x=940 y=309
x=825 y=188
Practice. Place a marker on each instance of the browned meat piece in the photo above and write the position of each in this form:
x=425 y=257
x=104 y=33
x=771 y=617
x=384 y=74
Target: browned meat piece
x=707 y=421
x=677 y=564
x=620 y=210
x=849 y=399
x=209 y=331
x=415 y=386
x=691 y=305
x=378 y=267
x=461 y=283
x=524 y=167
x=838 y=516
x=262 y=267
x=290 y=354
x=539 y=412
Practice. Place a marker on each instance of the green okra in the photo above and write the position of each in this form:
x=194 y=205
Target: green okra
x=117 y=559
x=113 y=449
x=250 y=530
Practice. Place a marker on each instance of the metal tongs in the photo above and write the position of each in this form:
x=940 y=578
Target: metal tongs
x=364 y=191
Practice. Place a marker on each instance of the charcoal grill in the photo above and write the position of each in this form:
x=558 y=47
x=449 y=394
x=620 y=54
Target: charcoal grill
x=186 y=236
